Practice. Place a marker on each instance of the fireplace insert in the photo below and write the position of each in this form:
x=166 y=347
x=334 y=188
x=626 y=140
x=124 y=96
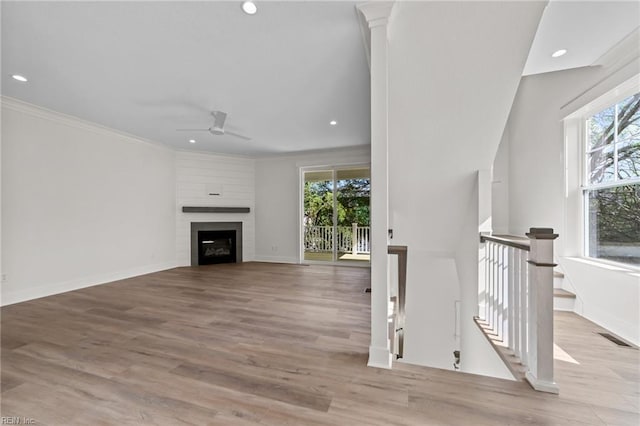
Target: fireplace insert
x=216 y=247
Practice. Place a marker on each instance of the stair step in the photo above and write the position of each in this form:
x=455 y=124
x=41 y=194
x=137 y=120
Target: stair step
x=560 y=292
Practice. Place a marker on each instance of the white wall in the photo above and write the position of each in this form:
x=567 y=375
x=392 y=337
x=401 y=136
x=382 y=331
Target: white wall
x=81 y=204
x=278 y=199
x=450 y=96
x=197 y=175
x=606 y=294
x=500 y=187
x=536 y=149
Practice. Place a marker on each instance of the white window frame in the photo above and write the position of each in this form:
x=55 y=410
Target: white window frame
x=576 y=169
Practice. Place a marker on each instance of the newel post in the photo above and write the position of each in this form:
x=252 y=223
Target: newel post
x=540 y=324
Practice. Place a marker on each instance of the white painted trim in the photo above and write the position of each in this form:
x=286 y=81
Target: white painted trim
x=380 y=357
x=301 y=171
x=599 y=96
x=606 y=264
x=540 y=385
x=348 y=264
x=72 y=121
x=275 y=156
x=625 y=51
x=214 y=154
x=366 y=35
x=586 y=104
x=9 y=298
x=623 y=90
x=275 y=259
x=376 y=13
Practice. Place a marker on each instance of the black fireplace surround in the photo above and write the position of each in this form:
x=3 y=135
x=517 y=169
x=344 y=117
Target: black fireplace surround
x=216 y=242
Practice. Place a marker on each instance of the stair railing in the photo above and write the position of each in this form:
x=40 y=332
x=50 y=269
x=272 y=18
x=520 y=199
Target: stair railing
x=516 y=305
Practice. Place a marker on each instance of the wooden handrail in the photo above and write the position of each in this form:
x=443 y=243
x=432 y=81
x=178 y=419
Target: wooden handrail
x=507 y=240
x=401 y=252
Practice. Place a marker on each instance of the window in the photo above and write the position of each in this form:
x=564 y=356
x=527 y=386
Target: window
x=612 y=182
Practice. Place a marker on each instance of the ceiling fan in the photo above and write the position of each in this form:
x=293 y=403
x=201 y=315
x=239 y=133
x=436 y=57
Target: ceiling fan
x=217 y=129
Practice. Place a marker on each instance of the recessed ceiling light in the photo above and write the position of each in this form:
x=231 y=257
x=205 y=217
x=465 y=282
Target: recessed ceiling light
x=20 y=78
x=333 y=122
x=558 y=53
x=192 y=141
x=249 y=7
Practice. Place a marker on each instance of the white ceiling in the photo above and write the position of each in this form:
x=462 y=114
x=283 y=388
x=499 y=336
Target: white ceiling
x=150 y=67
x=586 y=29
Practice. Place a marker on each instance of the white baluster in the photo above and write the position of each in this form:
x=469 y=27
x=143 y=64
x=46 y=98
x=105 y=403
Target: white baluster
x=506 y=329
x=486 y=281
x=516 y=300
x=354 y=238
x=500 y=301
x=524 y=309
x=492 y=259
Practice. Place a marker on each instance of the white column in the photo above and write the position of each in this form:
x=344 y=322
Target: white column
x=540 y=363
x=377 y=16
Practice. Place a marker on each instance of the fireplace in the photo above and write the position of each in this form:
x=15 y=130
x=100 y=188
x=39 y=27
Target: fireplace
x=216 y=242
x=216 y=247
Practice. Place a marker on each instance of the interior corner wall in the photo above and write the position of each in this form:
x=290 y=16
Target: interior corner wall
x=277 y=183
x=197 y=176
x=81 y=205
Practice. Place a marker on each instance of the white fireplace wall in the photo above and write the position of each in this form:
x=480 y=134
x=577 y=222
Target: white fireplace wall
x=198 y=175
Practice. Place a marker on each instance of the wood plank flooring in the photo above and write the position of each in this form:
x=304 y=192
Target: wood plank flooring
x=270 y=344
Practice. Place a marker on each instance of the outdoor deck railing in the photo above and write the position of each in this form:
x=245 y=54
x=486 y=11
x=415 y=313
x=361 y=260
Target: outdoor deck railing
x=320 y=239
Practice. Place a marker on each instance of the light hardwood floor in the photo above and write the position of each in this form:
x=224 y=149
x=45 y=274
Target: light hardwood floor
x=270 y=344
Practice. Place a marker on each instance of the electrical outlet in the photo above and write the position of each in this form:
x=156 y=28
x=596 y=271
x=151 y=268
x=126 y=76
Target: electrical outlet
x=274 y=248
x=4 y=277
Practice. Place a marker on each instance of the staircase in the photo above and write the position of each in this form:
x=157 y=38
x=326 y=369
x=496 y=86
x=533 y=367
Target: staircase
x=563 y=299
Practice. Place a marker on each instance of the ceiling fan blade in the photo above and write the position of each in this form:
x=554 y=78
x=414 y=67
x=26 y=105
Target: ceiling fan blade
x=192 y=130
x=219 y=118
x=247 y=138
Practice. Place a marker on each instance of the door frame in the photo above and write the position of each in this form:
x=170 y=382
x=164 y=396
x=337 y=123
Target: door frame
x=334 y=169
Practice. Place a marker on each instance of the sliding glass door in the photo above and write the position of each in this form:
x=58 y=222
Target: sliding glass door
x=335 y=218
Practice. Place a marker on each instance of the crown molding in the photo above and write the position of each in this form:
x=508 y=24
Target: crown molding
x=376 y=13
x=623 y=52
x=17 y=105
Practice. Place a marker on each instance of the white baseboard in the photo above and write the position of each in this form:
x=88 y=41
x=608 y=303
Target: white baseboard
x=276 y=259
x=541 y=385
x=379 y=357
x=30 y=293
